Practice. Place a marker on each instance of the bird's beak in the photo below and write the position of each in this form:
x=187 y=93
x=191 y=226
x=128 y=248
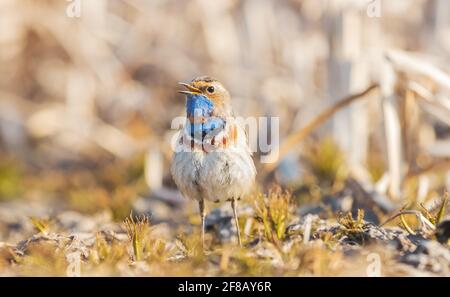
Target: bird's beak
x=190 y=89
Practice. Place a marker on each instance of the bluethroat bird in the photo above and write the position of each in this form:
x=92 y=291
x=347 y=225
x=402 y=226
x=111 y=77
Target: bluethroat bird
x=212 y=159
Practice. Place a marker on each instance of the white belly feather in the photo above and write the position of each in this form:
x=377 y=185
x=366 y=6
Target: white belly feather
x=217 y=175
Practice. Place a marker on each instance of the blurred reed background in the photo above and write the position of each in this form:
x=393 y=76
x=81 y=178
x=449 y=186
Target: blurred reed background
x=86 y=102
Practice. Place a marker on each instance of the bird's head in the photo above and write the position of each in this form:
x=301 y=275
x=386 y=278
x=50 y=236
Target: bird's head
x=208 y=96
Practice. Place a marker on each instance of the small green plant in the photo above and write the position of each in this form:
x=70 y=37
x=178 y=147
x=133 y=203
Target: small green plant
x=274 y=212
x=137 y=230
x=352 y=225
x=353 y=228
x=41 y=224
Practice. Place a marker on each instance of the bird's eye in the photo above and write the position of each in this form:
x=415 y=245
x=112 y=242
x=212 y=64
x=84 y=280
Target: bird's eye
x=210 y=89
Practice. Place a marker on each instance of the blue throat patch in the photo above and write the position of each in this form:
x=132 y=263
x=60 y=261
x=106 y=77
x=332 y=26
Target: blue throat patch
x=200 y=106
x=196 y=103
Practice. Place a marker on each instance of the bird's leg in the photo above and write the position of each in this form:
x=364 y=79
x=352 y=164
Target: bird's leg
x=233 y=205
x=201 y=205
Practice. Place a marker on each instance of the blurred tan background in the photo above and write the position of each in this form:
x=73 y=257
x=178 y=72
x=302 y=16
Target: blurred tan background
x=86 y=101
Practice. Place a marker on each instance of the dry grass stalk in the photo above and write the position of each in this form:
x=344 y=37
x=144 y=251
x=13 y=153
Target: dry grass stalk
x=297 y=136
